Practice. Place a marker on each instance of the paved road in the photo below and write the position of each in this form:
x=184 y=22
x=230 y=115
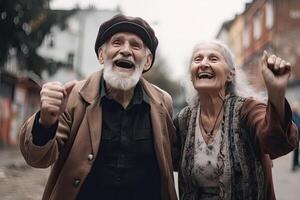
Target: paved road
x=286 y=182
x=18 y=181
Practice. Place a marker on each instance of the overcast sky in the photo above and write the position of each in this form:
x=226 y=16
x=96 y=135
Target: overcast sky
x=178 y=24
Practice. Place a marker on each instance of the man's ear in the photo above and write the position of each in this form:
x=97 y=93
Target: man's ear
x=100 y=55
x=148 y=62
x=230 y=75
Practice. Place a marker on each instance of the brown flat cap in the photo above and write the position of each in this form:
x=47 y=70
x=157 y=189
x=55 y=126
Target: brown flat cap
x=122 y=23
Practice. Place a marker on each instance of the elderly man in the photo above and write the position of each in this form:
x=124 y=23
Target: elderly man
x=108 y=137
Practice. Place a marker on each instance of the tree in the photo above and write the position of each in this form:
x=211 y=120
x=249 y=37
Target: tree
x=23 y=26
x=158 y=75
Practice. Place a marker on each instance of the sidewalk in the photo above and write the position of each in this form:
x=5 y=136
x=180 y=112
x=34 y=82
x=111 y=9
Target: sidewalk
x=286 y=182
x=18 y=181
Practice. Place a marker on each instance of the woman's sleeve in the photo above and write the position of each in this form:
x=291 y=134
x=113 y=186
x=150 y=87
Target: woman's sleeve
x=269 y=134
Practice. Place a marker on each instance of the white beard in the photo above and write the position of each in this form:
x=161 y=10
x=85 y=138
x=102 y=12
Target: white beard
x=119 y=80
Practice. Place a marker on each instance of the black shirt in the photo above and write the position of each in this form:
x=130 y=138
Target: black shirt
x=126 y=166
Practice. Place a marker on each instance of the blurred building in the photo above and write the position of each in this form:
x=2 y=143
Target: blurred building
x=272 y=25
x=73 y=45
x=231 y=33
x=19 y=98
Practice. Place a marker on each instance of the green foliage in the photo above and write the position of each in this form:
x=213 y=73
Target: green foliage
x=23 y=26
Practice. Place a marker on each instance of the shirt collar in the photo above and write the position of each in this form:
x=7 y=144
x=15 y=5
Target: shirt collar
x=138 y=97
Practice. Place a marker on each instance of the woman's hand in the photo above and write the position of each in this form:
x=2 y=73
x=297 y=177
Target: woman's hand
x=276 y=73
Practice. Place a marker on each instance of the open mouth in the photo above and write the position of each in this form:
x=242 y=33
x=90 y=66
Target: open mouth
x=124 y=63
x=205 y=75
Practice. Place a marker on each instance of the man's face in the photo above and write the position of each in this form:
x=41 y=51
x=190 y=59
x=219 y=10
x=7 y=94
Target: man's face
x=124 y=57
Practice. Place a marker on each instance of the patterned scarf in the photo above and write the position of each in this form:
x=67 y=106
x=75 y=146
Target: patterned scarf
x=238 y=161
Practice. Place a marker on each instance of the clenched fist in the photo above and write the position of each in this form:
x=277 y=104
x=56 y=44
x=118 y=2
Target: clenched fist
x=54 y=98
x=276 y=73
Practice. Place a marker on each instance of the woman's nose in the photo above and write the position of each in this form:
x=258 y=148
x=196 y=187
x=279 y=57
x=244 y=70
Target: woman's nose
x=204 y=63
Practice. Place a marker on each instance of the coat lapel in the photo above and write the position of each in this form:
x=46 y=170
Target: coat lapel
x=158 y=118
x=94 y=119
x=158 y=114
x=90 y=93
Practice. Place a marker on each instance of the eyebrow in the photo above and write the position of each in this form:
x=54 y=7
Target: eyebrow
x=130 y=39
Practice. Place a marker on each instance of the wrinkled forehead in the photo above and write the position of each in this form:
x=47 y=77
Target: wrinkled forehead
x=208 y=48
x=126 y=35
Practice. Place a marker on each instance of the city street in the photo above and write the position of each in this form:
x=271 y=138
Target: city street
x=18 y=181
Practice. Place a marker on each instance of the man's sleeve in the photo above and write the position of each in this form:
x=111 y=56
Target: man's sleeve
x=40 y=134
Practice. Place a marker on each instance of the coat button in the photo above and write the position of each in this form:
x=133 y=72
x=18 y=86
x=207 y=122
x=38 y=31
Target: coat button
x=90 y=157
x=76 y=182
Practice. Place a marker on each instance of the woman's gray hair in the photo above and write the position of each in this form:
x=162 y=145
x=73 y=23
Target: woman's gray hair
x=240 y=85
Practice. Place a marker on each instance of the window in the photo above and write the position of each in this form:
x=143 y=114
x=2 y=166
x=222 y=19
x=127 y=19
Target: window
x=50 y=41
x=70 y=59
x=269 y=14
x=257 y=25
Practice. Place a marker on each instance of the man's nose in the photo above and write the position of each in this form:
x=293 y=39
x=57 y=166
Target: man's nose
x=125 y=49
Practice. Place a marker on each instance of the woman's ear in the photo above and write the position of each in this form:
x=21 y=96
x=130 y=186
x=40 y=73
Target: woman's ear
x=100 y=55
x=230 y=75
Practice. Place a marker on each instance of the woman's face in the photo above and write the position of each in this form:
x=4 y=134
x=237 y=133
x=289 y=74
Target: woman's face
x=209 y=69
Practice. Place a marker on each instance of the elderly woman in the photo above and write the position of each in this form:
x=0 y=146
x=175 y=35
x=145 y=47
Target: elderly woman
x=227 y=140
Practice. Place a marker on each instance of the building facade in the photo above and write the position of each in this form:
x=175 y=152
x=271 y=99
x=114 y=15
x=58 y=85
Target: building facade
x=74 y=45
x=272 y=25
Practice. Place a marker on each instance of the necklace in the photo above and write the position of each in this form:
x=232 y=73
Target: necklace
x=210 y=133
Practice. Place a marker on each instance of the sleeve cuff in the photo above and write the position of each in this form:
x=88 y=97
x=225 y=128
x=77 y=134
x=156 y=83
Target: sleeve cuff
x=287 y=115
x=40 y=134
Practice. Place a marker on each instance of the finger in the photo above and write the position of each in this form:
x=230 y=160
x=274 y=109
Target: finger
x=69 y=86
x=264 y=58
x=53 y=87
x=50 y=101
x=277 y=63
x=282 y=68
x=271 y=60
x=52 y=94
x=288 y=67
x=49 y=84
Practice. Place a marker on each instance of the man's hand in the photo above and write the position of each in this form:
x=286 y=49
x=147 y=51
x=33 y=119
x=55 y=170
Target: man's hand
x=54 y=98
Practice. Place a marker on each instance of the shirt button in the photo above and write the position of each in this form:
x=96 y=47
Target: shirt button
x=76 y=182
x=90 y=157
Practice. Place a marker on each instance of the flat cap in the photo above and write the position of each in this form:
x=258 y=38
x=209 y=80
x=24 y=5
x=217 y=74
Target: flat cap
x=122 y=23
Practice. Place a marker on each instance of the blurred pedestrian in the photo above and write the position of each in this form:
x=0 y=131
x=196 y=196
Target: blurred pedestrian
x=227 y=140
x=108 y=137
x=296 y=118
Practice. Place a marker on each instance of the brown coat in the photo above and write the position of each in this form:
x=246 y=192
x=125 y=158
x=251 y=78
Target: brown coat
x=72 y=163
